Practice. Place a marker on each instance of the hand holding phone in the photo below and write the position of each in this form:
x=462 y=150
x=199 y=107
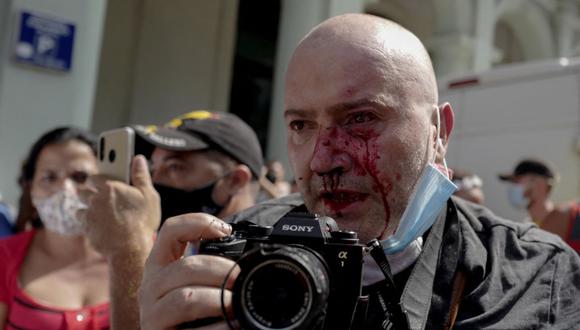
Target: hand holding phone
x=116 y=151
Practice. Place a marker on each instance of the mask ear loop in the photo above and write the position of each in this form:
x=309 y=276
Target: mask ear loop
x=440 y=141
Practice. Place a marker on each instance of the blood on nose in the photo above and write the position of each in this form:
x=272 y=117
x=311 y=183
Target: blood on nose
x=329 y=153
x=322 y=157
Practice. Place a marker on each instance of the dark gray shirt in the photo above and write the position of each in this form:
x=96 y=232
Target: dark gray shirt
x=517 y=276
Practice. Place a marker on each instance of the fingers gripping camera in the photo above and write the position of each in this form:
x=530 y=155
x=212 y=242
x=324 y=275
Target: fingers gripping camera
x=301 y=274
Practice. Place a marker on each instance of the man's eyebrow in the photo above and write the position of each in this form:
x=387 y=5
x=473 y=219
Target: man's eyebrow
x=375 y=102
x=345 y=106
x=296 y=112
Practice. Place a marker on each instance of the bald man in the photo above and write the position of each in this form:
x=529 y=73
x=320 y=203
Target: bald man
x=367 y=139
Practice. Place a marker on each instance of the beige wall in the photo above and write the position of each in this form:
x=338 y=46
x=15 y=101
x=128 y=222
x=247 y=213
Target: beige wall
x=163 y=58
x=34 y=100
x=117 y=58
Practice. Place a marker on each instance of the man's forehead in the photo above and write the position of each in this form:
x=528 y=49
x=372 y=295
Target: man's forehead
x=338 y=79
x=354 y=49
x=166 y=154
x=527 y=177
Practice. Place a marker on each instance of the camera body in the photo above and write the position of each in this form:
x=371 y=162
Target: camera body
x=303 y=273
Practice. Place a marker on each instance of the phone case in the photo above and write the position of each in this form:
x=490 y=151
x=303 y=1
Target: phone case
x=116 y=150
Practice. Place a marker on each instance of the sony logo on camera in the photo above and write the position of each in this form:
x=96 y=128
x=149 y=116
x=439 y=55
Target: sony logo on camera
x=297 y=228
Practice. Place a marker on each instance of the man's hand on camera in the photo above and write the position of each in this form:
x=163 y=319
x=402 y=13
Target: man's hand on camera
x=179 y=289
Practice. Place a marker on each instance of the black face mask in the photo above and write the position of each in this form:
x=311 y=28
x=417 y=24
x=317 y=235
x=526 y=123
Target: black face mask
x=177 y=201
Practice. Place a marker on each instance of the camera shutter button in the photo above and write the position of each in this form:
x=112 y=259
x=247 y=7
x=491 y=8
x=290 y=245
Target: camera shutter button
x=344 y=236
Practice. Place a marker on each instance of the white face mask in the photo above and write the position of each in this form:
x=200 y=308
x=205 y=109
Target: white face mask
x=59 y=213
x=516 y=196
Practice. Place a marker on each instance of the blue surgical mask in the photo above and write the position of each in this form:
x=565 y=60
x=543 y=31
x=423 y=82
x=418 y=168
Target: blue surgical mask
x=430 y=196
x=432 y=191
x=516 y=196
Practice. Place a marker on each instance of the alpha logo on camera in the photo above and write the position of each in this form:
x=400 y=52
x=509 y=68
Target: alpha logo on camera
x=297 y=228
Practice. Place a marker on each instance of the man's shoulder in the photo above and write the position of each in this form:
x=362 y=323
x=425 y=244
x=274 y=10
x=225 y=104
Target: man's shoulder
x=268 y=212
x=538 y=266
x=565 y=210
x=493 y=229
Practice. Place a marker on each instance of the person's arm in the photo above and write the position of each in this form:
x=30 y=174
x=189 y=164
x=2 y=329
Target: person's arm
x=3 y=315
x=126 y=272
x=121 y=224
x=177 y=289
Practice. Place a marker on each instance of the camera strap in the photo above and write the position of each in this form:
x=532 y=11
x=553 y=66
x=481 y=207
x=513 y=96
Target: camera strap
x=387 y=293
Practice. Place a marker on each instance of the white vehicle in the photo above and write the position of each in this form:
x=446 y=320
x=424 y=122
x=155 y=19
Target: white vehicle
x=512 y=112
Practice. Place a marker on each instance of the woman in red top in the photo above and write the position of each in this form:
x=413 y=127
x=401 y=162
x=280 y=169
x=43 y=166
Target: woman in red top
x=51 y=278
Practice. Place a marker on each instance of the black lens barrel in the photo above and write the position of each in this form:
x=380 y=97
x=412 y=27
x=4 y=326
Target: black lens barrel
x=281 y=287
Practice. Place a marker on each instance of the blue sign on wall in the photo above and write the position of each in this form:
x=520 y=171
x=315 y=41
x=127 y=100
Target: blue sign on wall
x=45 y=42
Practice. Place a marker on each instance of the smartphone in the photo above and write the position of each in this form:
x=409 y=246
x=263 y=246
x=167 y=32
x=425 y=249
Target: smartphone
x=116 y=151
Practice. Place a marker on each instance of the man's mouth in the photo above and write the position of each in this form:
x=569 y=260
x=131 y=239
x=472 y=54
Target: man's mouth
x=337 y=200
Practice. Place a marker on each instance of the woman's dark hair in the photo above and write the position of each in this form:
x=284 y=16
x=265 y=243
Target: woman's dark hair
x=57 y=135
x=26 y=212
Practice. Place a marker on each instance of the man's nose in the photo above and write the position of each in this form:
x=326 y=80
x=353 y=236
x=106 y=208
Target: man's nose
x=328 y=156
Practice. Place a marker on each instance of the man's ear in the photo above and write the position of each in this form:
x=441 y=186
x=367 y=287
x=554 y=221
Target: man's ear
x=447 y=121
x=239 y=177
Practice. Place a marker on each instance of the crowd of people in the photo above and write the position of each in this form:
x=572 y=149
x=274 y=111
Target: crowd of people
x=367 y=142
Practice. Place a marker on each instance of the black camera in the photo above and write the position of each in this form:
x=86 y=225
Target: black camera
x=303 y=273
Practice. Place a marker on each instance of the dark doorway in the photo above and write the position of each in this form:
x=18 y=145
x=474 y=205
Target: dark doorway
x=252 y=81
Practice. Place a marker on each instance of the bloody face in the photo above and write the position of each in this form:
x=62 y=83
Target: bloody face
x=357 y=136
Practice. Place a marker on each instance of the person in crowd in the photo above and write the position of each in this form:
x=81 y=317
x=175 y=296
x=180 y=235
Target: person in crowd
x=200 y=162
x=51 y=277
x=277 y=175
x=367 y=139
x=530 y=187
x=275 y=184
x=204 y=162
x=469 y=186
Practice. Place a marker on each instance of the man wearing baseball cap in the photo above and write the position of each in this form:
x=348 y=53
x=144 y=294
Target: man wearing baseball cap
x=200 y=162
x=531 y=183
x=204 y=162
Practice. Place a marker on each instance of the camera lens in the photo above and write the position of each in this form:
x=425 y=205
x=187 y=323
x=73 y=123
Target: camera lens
x=112 y=155
x=283 y=287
